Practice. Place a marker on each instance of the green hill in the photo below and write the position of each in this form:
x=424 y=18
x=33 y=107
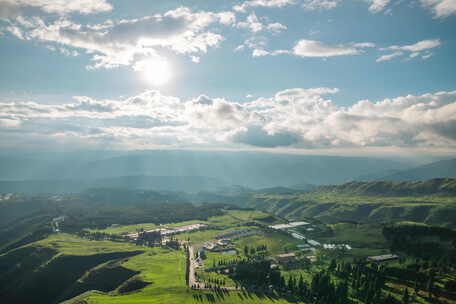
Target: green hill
x=62 y=266
x=432 y=202
x=437 y=186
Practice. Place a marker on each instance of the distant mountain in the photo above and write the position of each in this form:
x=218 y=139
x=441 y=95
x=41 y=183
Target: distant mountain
x=190 y=184
x=278 y=190
x=439 y=169
x=303 y=187
x=248 y=169
x=437 y=186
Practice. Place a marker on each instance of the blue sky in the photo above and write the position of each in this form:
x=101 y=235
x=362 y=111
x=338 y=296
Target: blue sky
x=299 y=75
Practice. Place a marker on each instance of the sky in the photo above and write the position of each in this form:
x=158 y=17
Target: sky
x=275 y=75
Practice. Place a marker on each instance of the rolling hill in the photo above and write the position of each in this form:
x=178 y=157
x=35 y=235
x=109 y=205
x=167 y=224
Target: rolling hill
x=432 y=202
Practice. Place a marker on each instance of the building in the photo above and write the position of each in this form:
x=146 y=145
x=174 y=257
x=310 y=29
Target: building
x=313 y=243
x=289 y=225
x=337 y=246
x=382 y=258
x=285 y=258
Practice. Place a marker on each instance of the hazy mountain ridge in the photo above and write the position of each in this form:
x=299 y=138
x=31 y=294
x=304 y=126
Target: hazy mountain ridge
x=439 y=169
x=248 y=169
x=189 y=184
x=439 y=186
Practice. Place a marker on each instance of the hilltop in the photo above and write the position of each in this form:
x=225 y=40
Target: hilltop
x=436 y=186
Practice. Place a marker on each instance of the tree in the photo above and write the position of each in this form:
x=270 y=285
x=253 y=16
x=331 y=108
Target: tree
x=406 y=297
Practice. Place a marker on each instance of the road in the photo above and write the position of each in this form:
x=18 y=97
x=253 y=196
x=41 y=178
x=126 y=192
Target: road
x=192 y=270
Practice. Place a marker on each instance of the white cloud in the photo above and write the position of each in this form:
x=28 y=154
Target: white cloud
x=259 y=53
x=441 y=8
x=117 y=43
x=262 y=3
x=417 y=47
x=427 y=56
x=320 y=4
x=13 y=8
x=377 y=5
x=276 y=27
x=414 y=49
x=308 y=48
x=301 y=118
x=9 y=123
x=254 y=24
x=312 y=48
x=389 y=56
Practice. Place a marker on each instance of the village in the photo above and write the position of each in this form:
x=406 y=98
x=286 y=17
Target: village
x=214 y=251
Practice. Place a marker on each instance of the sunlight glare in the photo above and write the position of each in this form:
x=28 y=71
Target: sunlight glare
x=156 y=71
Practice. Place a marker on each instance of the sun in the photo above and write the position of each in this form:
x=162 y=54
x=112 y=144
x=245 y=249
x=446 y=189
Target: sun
x=156 y=71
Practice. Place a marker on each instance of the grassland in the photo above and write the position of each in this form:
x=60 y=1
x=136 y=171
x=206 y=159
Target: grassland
x=230 y=218
x=74 y=265
x=68 y=244
x=334 y=206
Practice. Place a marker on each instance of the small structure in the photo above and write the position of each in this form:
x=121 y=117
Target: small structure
x=224 y=242
x=298 y=236
x=289 y=225
x=382 y=258
x=171 y=230
x=149 y=238
x=337 y=246
x=55 y=223
x=314 y=243
x=312 y=258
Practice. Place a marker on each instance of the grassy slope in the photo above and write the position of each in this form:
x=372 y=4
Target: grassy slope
x=165 y=269
x=47 y=270
x=64 y=266
x=357 y=202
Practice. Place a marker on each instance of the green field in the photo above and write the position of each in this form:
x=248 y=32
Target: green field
x=93 y=272
x=230 y=218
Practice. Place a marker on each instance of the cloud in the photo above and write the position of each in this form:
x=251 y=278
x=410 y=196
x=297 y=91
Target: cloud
x=13 y=8
x=312 y=5
x=417 y=47
x=259 y=137
x=9 y=123
x=312 y=48
x=117 y=43
x=377 y=6
x=414 y=49
x=440 y=8
x=389 y=56
x=276 y=27
x=297 y=118
x=263 y=3
x=253 y=23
